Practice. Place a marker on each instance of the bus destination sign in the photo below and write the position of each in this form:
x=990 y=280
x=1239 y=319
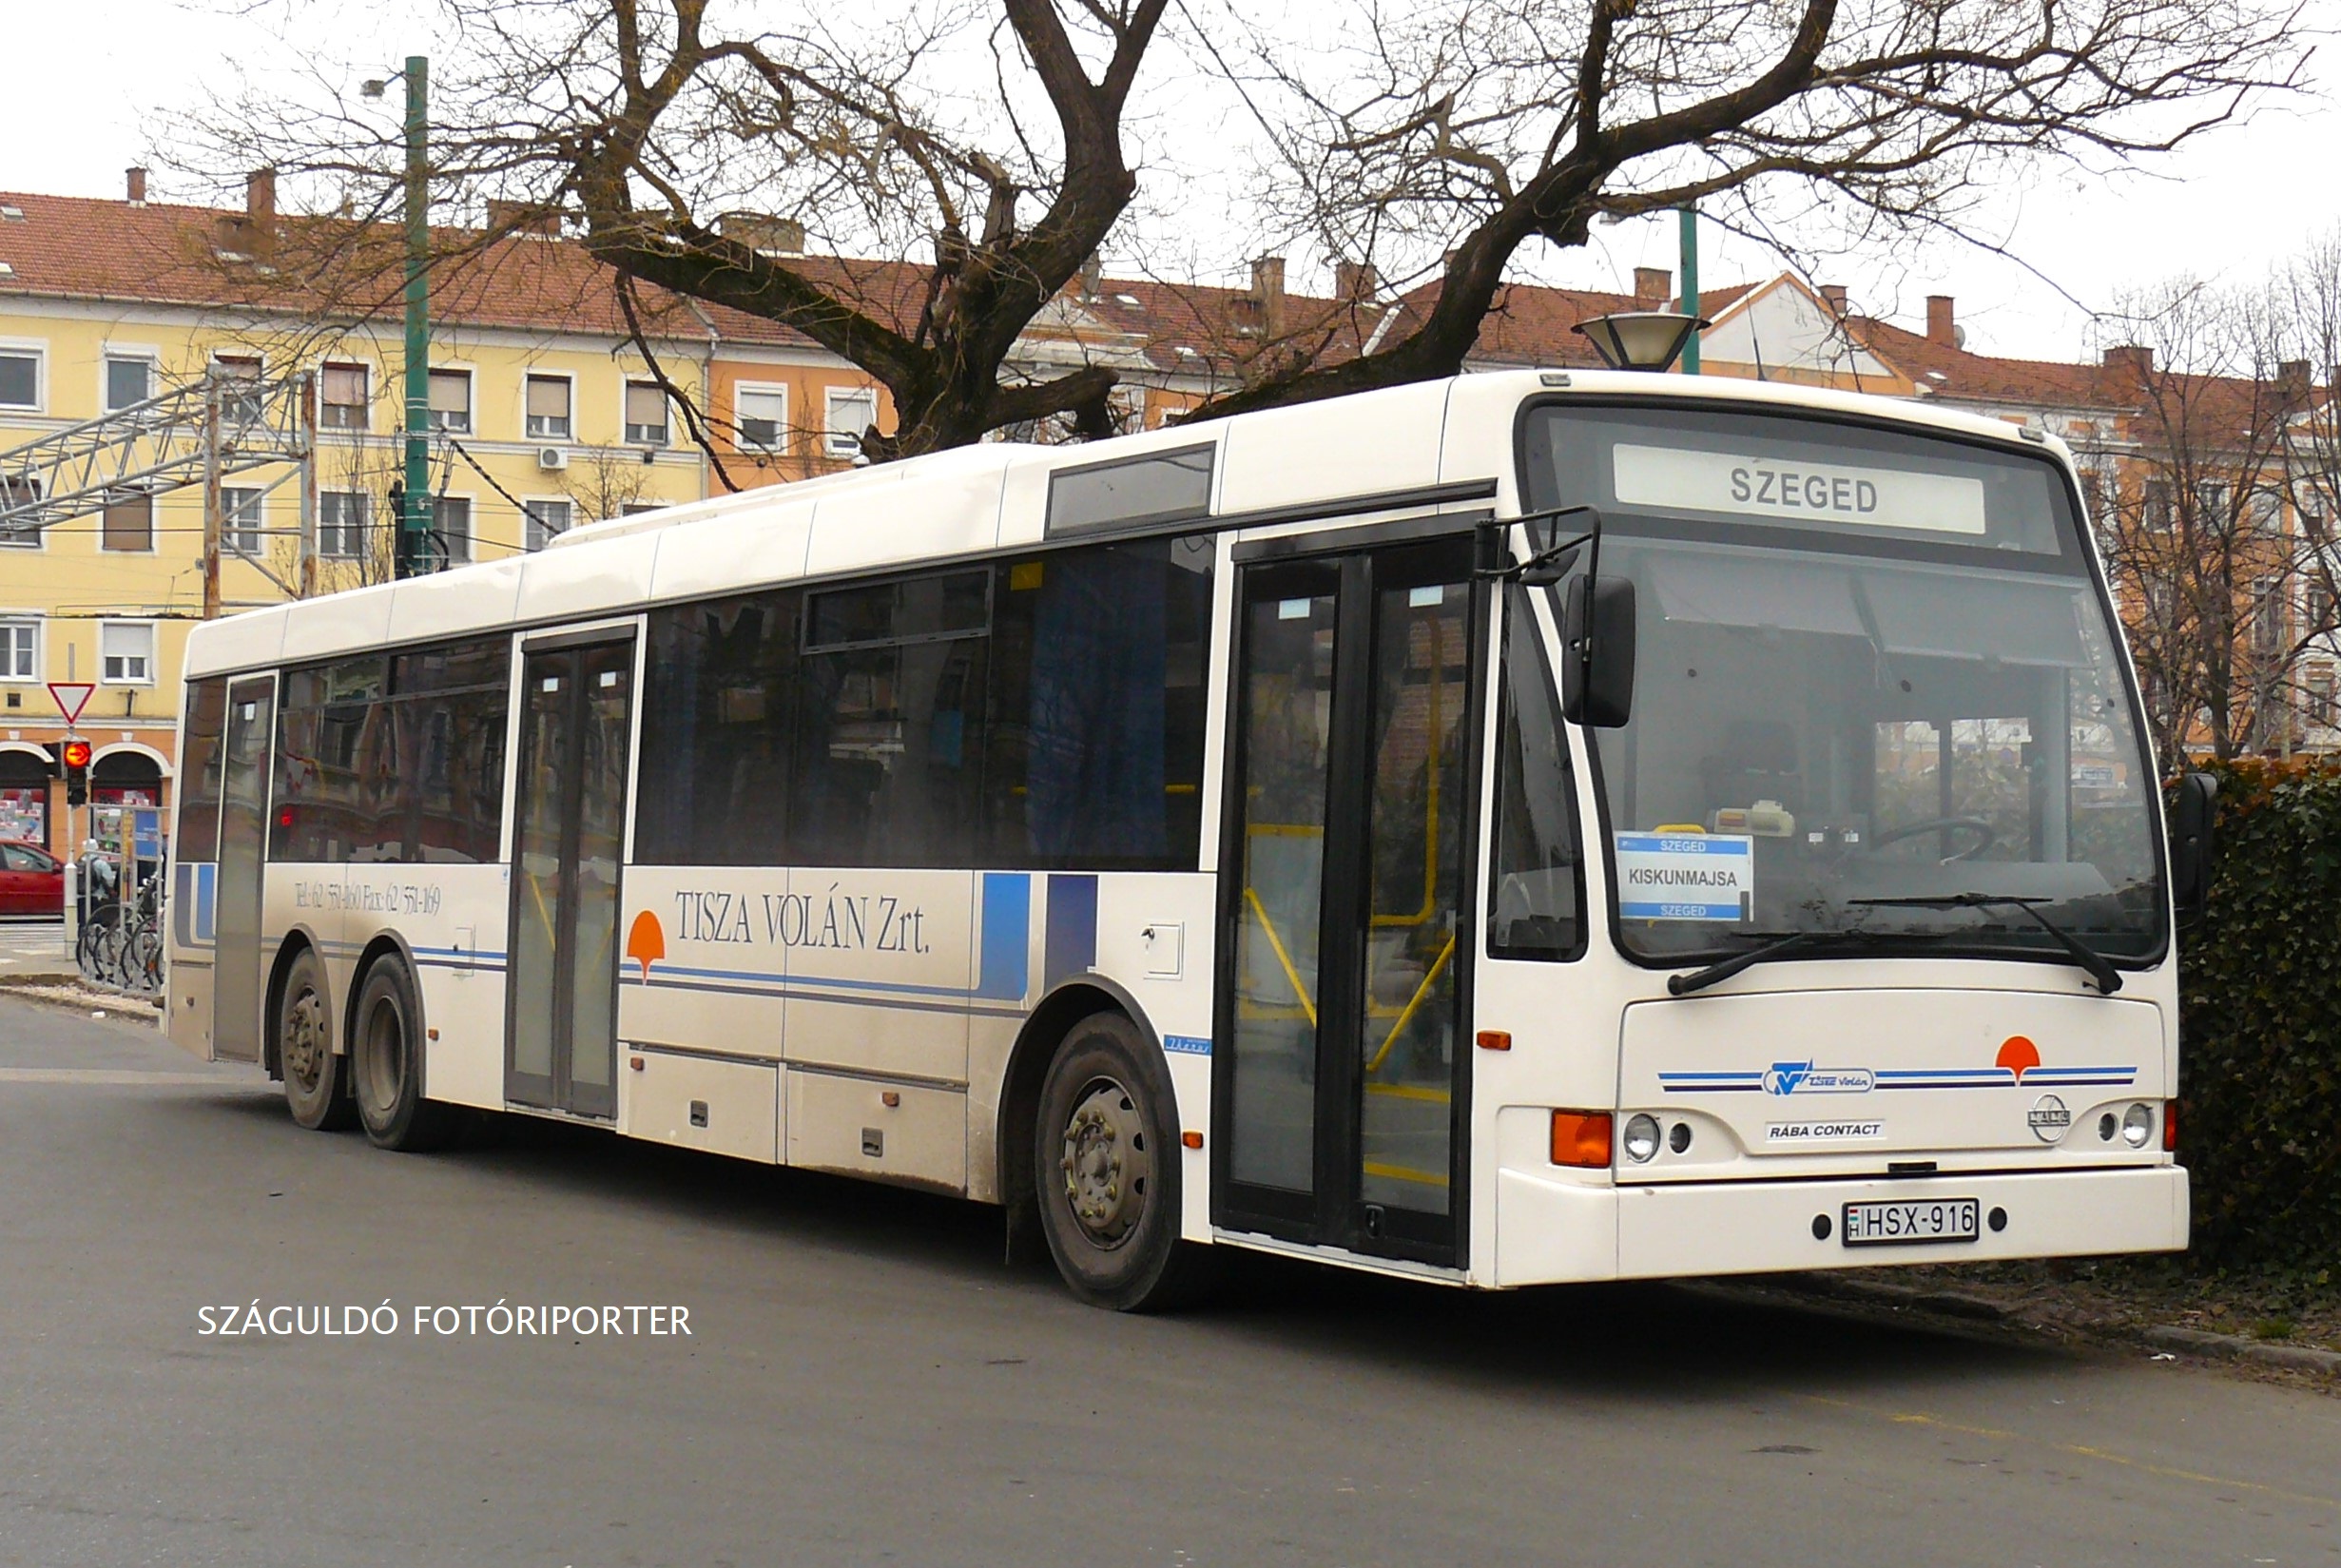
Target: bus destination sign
x=1749 y=484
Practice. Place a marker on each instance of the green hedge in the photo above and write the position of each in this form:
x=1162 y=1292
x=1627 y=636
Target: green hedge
x=2259 y=1124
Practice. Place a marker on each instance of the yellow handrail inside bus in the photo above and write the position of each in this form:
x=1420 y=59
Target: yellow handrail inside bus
x=1414 y=1005
x=1276 y=945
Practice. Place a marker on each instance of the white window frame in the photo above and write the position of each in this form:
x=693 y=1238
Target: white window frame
x=365 y=407
x=471 y=528
x=153 y=654
x=38 y=348
x=231 y=527
x=108 y=353
x=471 y=400
x=840 y=443
x=365 y=518
x=38 y=625
x=13 y=539
x=534 y=374
x=626 y=385
x=739 y=420
x=528 y=519
x=219 y=357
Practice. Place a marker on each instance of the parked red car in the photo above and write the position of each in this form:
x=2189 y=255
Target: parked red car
x=31 y=880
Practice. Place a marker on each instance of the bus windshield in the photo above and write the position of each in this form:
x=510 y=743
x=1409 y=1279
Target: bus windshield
x=1874 y=675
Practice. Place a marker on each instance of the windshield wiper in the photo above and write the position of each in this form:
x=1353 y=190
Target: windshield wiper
x=1780 y=944
x=2100 y=968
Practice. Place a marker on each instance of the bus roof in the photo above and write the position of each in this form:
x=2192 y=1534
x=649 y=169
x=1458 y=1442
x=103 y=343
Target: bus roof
x=1428 y=443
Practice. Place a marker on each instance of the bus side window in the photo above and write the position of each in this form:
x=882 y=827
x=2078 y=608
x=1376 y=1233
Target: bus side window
x=1538 y=908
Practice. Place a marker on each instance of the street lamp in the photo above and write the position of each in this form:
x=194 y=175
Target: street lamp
x=1640 y=340
x=416 y=500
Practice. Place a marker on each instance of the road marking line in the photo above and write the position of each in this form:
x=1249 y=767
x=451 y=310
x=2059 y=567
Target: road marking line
x=106 y=1076
x=2081 y=1449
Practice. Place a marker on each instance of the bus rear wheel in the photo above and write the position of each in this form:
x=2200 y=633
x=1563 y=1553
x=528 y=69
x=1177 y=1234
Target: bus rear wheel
x=1105 y=1165
x=315 y=1081
x=386 y=1064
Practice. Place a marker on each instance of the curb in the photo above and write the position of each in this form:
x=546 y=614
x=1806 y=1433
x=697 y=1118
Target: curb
x=1958 y=1303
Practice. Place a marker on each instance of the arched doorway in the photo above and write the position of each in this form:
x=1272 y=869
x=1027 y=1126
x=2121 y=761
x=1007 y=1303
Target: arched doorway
x=126 y=778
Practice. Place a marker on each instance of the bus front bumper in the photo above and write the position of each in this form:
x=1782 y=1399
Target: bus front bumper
x=1550 y=1230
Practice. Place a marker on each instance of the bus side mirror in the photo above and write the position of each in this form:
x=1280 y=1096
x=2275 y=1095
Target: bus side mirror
x=1596 y=682
x=2193 y=849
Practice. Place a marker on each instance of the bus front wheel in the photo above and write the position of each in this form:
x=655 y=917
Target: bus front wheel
x=1106 y=1164
x=315 y=1081
x=386 y=1064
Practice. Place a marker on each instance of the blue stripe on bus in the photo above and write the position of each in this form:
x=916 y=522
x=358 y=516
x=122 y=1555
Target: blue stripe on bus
x=1072 y=946
x=965 y=1003
x=1005 y=935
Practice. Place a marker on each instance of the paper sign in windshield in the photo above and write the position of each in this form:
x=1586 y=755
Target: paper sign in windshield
x=1789 y=490
x=1685 y=877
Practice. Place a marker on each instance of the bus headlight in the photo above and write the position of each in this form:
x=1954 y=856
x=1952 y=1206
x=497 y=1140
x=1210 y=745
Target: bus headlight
x=1641 y=1140
x=2138 y=1126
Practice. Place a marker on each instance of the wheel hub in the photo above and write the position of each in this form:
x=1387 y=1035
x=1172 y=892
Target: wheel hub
x=304 y=1037
x=1105 y=1165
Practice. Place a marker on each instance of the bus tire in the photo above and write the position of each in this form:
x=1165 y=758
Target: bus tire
x=317 y=1087
x=386 y=1064
x=1105 y=1165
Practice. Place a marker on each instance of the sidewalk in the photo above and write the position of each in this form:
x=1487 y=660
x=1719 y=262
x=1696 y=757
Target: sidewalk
x=34 y=950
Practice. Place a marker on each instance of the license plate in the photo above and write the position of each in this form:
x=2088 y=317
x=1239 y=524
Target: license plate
x=1906 y=1222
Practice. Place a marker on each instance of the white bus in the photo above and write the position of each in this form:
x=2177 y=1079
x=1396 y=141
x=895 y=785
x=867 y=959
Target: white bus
x=1524 y=828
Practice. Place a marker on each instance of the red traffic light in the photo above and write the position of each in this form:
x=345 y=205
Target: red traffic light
x=77 y=753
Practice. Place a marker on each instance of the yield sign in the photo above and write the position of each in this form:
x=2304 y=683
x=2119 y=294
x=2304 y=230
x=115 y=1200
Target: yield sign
x=70 y=698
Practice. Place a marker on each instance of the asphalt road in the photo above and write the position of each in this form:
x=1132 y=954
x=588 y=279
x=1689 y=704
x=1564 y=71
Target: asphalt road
x=864 y=1382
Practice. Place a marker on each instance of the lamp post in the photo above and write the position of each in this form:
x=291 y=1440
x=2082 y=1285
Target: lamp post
x=1640 y=340
x=414 y=509
x=1691 y=286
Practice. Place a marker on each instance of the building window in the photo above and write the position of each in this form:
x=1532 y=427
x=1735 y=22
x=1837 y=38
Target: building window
x=19 y=490
x=20 y=651
x=2155 y=507
x=242 y=514
x=454 y=527
x=126 y=652
x=762 y=413
x=636 y=509
x=2268 y=616
x=851 y=411
x=341 y=397
x=451 y=401
x=548 y=409
x=341 y=524
x=546 y=521
x=2320 y=704
x=645 y=414
x=240 y=399
x=128 y=524
x=20 y=377
x=128 y=381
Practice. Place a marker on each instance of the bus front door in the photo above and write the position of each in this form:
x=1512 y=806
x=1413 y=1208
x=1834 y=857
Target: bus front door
x=1344 y=960
x=243 y=850
x=568 y=838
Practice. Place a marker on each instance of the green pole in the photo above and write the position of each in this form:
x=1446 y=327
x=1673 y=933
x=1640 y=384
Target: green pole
x=415 y=525
x=1691 y=286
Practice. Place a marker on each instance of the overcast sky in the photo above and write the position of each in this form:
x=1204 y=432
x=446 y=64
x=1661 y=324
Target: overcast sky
x=86 y=76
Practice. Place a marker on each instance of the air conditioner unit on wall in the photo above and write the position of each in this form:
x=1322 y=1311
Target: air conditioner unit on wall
x=552 y=459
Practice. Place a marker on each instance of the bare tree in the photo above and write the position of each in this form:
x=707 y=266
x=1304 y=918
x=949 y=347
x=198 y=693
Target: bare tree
x=2226 y=587
x=979 y=147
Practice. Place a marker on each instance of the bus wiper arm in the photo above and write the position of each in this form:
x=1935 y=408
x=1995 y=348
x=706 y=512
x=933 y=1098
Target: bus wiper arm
x=1723 y=969
x=2100 y=968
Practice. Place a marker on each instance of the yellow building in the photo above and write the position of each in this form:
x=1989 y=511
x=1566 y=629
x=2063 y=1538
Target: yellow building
x=544 y=415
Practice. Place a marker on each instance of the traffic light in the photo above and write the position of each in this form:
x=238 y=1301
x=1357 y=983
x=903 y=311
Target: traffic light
x=75 y=755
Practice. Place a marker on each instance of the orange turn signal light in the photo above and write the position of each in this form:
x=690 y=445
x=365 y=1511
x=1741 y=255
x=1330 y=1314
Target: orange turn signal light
x=1581 y=1138
x=1495 y=1039
x=1192 y=1140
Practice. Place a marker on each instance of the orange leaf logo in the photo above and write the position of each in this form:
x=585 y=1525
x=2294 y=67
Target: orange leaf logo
x=646 y=941
x=2017 y=1053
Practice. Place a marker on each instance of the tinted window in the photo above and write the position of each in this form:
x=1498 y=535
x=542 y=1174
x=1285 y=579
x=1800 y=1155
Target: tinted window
x=1536 y=896
x=394 y=759
x=1164 y=488
x=198 y=834
x=1094 y=745
x=715 y=733
x=888 y=728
